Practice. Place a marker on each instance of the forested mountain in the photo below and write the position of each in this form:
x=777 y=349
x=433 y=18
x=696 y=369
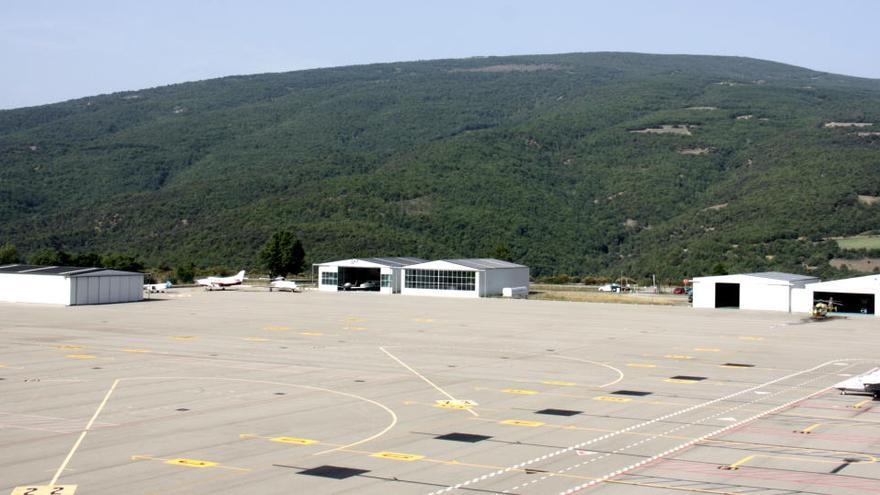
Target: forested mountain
x=743 y=162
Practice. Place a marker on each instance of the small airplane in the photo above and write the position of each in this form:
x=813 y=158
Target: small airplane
x=864 y=384
x=154 y=288
x=221 y=283
x=281 y=284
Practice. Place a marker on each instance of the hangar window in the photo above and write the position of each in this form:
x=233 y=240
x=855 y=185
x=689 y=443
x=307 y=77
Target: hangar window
x=440 y=280
x=329 y=278
x=385 y=280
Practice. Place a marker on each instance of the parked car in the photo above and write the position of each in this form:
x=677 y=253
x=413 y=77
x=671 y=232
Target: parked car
x=609 y=288
x=678 y=290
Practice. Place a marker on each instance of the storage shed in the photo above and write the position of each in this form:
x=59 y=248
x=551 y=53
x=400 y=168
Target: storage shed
x=480 y=277
x=858 y=295
x=770 y=291
x=69 y=285
x=364 y=274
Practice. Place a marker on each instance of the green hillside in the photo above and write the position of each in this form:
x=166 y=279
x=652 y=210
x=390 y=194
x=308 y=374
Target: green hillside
x=456 y=158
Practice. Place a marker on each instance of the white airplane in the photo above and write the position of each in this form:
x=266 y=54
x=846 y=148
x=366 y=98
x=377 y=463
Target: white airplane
x=154 y=288
x=281 y=284
x=221 y=283
x=864 y=384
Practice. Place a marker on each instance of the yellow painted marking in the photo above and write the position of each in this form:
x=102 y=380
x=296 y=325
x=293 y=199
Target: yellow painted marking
x=612 y=399
x=135 y=350
x=457 y=402
x=706 y=349
x=44 y=490
x=679 y=380
x=453 y=406
x=519 y=391
x=860 y=404
x=742 y=461
x=256 y=339
x=398 y=456
x=69 y=347
x=191 y=463
x=276 y=328
x=311 y=333
x=678 y=356
x=809 y=428
x=355 y=319
x=641 y=365
x=749 y=337
x=558 y=382
x=184 y=337
x=521 y=422
x=423 y=320
x=81 y=356
x=357 y=329
x=297 y=441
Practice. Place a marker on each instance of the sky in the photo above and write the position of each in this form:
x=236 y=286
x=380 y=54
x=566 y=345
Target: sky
x=58 y=50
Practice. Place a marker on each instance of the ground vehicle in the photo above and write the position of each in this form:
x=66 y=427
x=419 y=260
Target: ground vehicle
x=679 y=290
x=690 y=293
x=609 y=288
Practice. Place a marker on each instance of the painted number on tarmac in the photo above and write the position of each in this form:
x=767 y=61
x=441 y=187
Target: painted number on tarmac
x=45 y=490
x=398 y=456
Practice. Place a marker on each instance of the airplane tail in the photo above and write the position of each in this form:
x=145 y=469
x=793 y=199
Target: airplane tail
x=240 y=275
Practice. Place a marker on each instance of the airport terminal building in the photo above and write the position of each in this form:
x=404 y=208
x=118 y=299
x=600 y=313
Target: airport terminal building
x=68 y=285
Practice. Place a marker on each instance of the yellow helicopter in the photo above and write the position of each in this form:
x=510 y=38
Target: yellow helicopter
x=822 y=308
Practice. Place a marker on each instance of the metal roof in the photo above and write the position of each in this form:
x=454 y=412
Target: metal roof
x=60 y=271
x=484 y=263
x=787 y=277
x=394 y=261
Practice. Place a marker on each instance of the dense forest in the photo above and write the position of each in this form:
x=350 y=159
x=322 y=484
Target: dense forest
x=596 y=163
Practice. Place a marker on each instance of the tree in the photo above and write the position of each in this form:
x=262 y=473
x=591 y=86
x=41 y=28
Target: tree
x=501 y=252
x=185 y=274
x=282 y=254
x=49 y=257
x=8 y=254
x=122 y=262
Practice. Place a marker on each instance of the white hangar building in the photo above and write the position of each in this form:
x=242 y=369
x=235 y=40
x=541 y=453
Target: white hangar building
x=763 y=291
x=480 y=277
x=858 y=295
x=69 y=285
x=364 y=274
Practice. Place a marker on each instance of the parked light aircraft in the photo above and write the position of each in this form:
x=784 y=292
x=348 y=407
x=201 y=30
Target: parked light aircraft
x=153 y=288
x=281 y=284
x=864 y=384
x=221 y=283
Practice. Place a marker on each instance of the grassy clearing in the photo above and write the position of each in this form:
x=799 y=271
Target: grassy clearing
x=573 y=294
x=860 y=242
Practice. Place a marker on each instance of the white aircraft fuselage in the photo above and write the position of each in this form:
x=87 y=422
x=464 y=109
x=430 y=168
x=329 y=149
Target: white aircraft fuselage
x=212 y=283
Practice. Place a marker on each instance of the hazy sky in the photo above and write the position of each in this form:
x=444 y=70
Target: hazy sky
x=56 y=50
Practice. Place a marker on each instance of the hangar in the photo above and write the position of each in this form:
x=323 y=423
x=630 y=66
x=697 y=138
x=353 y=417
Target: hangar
x=69 y=285
x=858 y=295
x=479 y=277
x=364 y=274
x=763 y=291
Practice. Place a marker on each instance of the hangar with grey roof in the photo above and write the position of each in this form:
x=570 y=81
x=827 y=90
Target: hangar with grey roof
x=68 y=285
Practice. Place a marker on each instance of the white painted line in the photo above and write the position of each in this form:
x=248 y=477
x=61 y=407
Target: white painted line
x=640 y=425
x=84 y=432
x=425 y=379
x=619 y=373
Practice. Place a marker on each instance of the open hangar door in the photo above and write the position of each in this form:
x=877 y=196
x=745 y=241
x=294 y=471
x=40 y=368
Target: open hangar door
x=847 y=302
x=726 y=295
x=351 y=278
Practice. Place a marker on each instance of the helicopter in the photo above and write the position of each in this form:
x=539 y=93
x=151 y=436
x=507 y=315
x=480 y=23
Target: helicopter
x=822 y=307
